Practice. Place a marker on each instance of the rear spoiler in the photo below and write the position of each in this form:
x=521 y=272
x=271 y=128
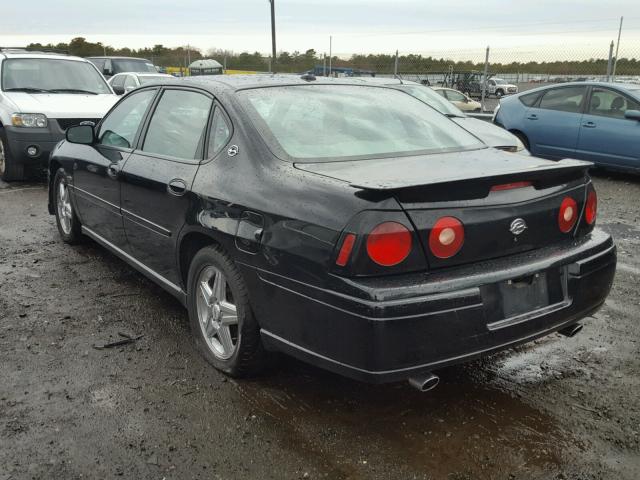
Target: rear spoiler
x=566 y=168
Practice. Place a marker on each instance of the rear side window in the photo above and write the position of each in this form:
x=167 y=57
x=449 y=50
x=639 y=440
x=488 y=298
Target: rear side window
x=220 y=133
x=529 y=99
x=566 y=99
x=119 y=128
x=178 y=125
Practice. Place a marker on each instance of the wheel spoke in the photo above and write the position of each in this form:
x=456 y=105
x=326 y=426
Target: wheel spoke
x=220 y=287
x=206 y=292
x=224 y=334
x=229 y=314
x=209 y=328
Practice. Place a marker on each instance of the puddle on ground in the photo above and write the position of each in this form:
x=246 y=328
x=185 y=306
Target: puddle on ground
x=465 y=427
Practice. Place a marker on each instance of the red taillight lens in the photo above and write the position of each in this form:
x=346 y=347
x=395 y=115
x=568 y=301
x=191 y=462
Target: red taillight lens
x=446 y=237
x=567 y=215
x=591 y=207
x=389 y=244
x=345 y=250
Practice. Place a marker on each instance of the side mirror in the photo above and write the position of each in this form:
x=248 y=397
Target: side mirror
x=632 y=115
x=82 y=134
x=118 y=90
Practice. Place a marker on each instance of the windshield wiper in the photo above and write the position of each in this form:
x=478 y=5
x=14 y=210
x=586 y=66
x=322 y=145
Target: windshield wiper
x=72 y=90
x=27 y=89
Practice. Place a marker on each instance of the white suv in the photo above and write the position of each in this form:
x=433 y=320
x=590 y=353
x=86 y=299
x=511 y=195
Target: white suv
x=41 y=95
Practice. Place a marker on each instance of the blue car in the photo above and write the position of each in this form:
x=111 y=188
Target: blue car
x=594 y=121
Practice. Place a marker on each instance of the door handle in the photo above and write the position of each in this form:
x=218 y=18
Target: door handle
x=177 y=187
x=589 y=125
x=113 y=170
x=533 y=116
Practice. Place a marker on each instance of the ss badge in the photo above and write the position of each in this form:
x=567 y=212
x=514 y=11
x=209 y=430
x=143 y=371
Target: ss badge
x=232 y=151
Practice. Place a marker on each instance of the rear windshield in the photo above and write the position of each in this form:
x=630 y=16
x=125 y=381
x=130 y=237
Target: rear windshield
x=334 y=122
x=131 y=65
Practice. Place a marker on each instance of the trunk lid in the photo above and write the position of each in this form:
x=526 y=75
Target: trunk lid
x=462 y=185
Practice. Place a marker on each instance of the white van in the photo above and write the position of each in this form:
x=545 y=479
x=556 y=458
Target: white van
x=41 y=95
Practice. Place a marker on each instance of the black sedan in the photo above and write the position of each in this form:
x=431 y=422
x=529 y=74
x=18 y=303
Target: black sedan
x=349 y=225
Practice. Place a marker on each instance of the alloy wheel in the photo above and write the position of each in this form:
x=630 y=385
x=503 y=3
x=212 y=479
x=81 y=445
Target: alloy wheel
x=217 y=313
x=63 y=203
x=2 y=158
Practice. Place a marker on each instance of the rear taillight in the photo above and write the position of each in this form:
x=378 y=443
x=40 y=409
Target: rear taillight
x=591 y=207
x=389 y=243
x=568 y=214
x=446 y=237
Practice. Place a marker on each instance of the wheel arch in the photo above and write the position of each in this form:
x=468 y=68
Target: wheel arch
x=522 y=136
x=190 y=243
x=53 y=167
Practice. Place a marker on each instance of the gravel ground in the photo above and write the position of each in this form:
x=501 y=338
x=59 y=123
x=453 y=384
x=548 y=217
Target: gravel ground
x=555 y=409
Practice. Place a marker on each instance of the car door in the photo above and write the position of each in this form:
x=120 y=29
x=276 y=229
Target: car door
x=552 y=125
x=606 y=136
x=96 y=168
x=157 y=178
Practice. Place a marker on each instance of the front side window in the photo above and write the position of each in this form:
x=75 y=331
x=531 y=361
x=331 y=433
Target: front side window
x=49 y=75
x=130 y=82
x=119 y=128
x=566 y=99
x=331 y=122
x=178 y=125
x=220 y=133
x=118 y=81
x=609 y=103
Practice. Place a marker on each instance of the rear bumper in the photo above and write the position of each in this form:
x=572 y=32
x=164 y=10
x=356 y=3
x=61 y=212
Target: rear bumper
x=382 y=330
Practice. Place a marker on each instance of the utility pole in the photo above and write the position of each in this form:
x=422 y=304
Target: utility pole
x=273 y=30
x=330 y=53
x=610 y=62
x=484 y=79
x=615 y=60
x=188 y=54
x=395 y=66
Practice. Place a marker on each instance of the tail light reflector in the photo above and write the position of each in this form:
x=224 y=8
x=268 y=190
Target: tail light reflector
x=591 y=207
x=446 y=237
x=345 y=250
x=389 y=243
x=568 y=214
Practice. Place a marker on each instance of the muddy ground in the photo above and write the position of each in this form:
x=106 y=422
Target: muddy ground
x=555 y=409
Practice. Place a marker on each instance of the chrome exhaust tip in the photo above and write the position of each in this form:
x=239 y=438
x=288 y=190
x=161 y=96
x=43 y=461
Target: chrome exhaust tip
x=425 y=382
x=571 y=330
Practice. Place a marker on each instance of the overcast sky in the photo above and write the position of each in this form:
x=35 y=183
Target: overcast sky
x=550 y=28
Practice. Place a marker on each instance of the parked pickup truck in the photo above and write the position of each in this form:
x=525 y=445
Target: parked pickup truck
x=499 y=87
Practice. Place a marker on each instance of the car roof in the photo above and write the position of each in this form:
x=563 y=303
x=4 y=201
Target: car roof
x=619 y=85
x=118 y=58
x=27 y=54
x=240 y=82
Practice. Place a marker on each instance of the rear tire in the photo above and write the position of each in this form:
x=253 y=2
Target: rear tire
x=67 y=221
x=10 y=169
x=222 y=321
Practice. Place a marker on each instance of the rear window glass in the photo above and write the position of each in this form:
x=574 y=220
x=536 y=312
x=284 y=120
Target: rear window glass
x=330 y=122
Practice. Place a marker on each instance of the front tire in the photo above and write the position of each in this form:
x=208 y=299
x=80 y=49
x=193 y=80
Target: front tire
x=66 y=219
x=10 y=169
x=499 y=94
x=222 y=321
